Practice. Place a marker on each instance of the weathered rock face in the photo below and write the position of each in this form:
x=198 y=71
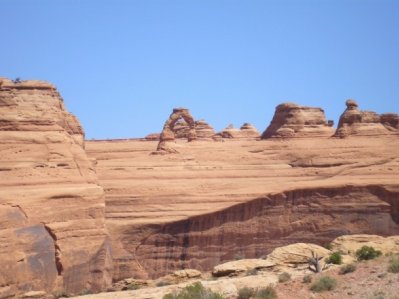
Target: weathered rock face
x=52 y=229
x=216 y=200
x=291 y=120
x=365 y=123
x=246 y=131
x=168 y=134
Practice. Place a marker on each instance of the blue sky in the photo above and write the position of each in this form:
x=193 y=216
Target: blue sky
x=121 y=66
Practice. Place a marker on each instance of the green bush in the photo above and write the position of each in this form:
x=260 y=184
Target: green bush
x=284 y=277
x=194 y=291
x=266 y=293
x=335 y=258
x=324 y=283
x=245 y=293
x=307 y=279
x=367 y=253
x=347 y=269
x=394 y=265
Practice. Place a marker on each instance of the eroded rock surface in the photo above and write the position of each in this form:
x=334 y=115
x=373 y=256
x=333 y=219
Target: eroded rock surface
x=246 y=131
x=215 y=200
x=52 y=228
x=354 y=122
x=291 y=120
x=168 y=133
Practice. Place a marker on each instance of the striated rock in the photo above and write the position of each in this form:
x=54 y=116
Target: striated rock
x=365 y=123
x=187 y=273
x=291 y=120
x=247 y=131
x=168 y=129
x=200 y=208
x=153 y=137
x=204 y=130
x=52 y=226
x=241 y=266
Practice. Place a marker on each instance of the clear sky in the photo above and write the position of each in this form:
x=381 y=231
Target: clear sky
x=121 y=66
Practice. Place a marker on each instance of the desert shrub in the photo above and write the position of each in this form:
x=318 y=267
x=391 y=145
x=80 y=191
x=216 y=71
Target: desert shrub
x=162 y=283
x=393 y=266
x=335 y=258
x=307 y=279
x=251 y=272
x=324 y=283
x=194 y=291
x=134 y=286
x=378 y=295
x=284 y=277
x=367 y=253
x=245 y=293
x=328 y=246
x=347 y=269
x=266 y=293
x=239 y=256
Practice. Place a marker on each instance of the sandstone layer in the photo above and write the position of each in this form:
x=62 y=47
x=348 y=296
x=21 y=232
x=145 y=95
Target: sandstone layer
x=291 y=120
x=216 y=200
x=366 y=123
x=52 y=228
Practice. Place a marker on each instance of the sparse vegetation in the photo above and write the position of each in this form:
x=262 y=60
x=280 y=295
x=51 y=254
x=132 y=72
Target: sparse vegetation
x=307 y=279
x=378 y=295
x=335 y=258
x=196 y=290
x=266 y=293
x=347 y=269
x=367 y=253
x=162 y=283
x=245 y=293
x=252 y=272
x=323 y=284
x=328 y=246
x=239 y=256
x=284 y=277
x=393 y=266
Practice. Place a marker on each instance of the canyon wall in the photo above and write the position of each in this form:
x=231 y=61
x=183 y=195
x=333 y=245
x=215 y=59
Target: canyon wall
x=52 y=228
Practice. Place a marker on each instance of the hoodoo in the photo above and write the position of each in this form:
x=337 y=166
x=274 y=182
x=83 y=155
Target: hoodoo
x=365 y=123
x=291 y=120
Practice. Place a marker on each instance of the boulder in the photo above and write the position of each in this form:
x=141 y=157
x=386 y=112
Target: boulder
x=291 y=120
x=241 y=266
x=246 y=131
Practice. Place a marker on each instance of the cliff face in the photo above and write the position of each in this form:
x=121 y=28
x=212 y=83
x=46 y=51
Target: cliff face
x=291 y=120
x=52 y=229
x=217 y=200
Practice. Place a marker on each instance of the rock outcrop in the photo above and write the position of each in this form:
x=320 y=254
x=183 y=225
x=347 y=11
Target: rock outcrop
x=246 y=131
x=291 y=120
x=168 y=134
x=214 y=200
x=365 y=123
x=52 y=224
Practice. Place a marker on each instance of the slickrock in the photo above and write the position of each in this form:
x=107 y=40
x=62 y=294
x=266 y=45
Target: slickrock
x=214 y=200
x=291 y=120
x=52 y=227
x=247 y=131
x=350 y=244
x=354 y=122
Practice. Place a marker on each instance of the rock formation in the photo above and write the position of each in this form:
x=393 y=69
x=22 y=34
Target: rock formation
x=365 y=123
x=52 y=227
x=291 y=120
x=167 y=133
x=214 y=200
x=181 y=130
x=247 y=131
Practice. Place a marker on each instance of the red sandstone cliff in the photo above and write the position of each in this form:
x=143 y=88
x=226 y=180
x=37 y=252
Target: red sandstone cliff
x=52 y=229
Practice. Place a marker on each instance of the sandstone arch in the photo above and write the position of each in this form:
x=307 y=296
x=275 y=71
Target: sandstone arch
x=167 y=133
